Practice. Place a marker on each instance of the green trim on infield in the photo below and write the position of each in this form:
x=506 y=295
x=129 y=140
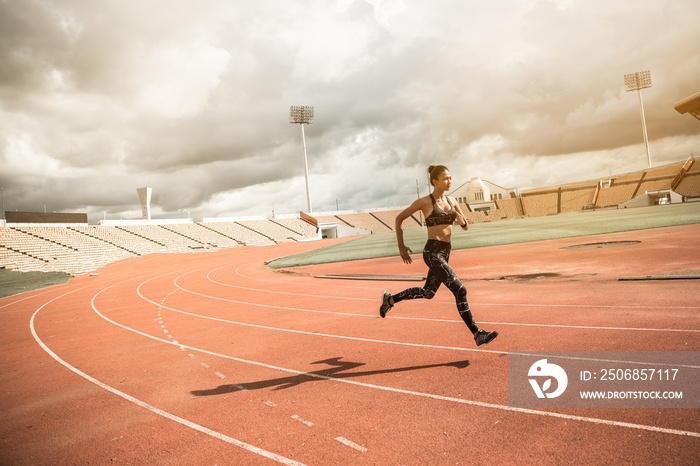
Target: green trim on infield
x=511 y=231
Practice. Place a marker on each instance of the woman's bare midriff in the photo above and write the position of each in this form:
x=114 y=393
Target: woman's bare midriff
x=440 y=233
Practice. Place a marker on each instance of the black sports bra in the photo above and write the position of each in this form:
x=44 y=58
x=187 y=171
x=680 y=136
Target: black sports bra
x=439 y=216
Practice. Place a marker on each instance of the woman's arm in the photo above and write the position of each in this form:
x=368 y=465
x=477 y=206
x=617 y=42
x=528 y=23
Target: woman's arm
x=461 y=218
x=405 y=251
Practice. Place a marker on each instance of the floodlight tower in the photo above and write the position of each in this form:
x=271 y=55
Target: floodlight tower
x=636 y=82
x=303 y=115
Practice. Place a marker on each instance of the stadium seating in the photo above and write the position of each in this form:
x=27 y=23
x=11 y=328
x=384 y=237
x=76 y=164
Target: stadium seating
x=243 y=235
x=120 y=238
x=616 y=195
x=201 y=235
x=577 y=197
x=364 y=221
x=55 y=249
x=388 y=217
x=476 y=217
x=689 y=185
x=330 y=219
x=298 y=225
x=540 y=204
x=79 y=249
x=497 y=214
x=271 y=230
x=511 y=208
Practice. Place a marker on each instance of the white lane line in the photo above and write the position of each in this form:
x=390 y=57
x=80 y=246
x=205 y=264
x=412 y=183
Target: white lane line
x=601 y=306
x=583 y=327
x=371 y=340
x=408 y=318
x=36 y=295
x=153 y=409
x=303 y=421
x=347 y=442
x=266 y=291
x=482 y=404
x=424 y=319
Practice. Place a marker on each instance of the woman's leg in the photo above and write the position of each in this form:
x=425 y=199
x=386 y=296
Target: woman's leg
x=432 y=281
x=436 y=256
x=439 y=265
x=427 y=291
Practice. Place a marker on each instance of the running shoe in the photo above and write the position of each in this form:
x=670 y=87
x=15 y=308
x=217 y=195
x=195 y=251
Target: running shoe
x=482 y=337
x=386 y=305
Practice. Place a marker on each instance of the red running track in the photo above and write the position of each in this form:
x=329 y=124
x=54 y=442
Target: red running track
x=213 y=358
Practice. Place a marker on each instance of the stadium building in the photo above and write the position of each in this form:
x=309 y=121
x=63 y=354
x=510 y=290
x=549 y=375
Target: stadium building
x=481 y=195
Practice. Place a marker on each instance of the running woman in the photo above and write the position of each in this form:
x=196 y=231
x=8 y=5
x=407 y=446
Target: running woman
x=440 y=212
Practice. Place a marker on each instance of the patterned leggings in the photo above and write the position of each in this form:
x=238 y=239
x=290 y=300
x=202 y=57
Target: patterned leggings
x=436 y=254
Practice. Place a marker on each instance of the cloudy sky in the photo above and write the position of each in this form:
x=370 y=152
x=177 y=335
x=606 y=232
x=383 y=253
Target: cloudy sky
x=191 y=98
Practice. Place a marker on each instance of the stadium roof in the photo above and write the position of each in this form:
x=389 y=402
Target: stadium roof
x=689 y=105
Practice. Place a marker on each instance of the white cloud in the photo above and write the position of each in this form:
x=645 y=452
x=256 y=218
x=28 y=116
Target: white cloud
x=178 y=81
x=25 y=160
x=98 y=98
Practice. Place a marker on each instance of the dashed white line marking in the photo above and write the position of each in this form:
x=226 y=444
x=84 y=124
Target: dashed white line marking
x=220 y=375
x=535 y=412
x=165 y=330
x=303 y=421
x=344 y=337
x=648 y=428
x=347 y=442
x=153 y=409
x=269 y=403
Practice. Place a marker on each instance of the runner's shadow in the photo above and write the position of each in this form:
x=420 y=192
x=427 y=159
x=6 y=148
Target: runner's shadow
x=338 y=371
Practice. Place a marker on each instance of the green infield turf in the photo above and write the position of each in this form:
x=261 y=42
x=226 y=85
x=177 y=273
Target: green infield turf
x=509 y=231
x=13 y=282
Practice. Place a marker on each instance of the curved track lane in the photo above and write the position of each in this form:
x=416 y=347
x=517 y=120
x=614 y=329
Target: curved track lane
x=213 y=357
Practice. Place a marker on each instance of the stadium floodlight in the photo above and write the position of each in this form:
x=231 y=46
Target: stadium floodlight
x=303 y=115
x=689 y=105
x=636 y=82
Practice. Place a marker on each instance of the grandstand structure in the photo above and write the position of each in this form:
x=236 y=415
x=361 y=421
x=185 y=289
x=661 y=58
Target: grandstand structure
x=65 y=242
x=80 y=248
x=676 y=182
x=689 y=105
